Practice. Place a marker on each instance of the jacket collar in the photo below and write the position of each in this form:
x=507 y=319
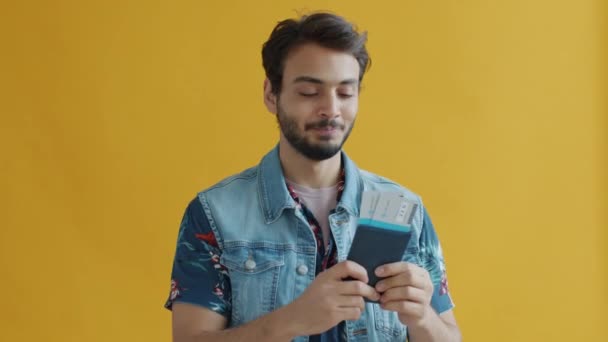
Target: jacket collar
x=275 y=198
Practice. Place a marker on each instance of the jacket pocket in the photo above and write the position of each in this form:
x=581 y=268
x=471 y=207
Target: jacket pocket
x=388 y=325
x=254 y=276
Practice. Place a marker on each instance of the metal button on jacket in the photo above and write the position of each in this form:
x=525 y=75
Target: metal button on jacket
x=302 y=270
x=250 y=265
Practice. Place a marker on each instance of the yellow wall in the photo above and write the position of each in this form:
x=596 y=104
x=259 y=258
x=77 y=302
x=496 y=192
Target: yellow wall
x=114 y=113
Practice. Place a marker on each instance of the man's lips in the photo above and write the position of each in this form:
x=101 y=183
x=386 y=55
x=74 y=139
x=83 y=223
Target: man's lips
x=325 y=125
x=325 y=129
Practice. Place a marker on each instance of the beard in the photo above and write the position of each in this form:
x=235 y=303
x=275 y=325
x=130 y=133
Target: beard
x=319 y=151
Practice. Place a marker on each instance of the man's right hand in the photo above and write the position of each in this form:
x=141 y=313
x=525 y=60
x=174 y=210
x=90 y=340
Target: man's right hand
x=330 y=299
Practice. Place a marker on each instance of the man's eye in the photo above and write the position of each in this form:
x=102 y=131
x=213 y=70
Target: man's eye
x=308 y=94
x=345 y=95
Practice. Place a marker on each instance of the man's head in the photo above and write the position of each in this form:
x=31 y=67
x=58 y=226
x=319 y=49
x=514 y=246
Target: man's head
x=314 y=68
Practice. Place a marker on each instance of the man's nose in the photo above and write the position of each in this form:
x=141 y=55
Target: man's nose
x=330 y=106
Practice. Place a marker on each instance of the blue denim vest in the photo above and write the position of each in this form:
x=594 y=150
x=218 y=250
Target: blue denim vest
x=269 y=248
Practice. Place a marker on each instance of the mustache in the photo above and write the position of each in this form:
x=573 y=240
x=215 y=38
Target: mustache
x=325 y=123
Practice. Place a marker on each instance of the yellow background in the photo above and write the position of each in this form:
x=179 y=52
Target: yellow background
x=115 y=113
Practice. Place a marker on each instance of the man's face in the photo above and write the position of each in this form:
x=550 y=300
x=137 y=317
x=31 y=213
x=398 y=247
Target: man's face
x=318 y=103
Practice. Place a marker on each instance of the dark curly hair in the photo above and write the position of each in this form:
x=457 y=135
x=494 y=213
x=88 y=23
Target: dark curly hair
x=326 y=29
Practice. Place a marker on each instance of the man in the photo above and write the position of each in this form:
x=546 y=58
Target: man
x=261 y=255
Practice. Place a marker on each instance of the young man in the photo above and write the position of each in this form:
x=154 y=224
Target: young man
x=261 y=255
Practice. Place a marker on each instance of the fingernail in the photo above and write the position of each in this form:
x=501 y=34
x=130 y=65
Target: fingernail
x=379 y=271
x=380 y=287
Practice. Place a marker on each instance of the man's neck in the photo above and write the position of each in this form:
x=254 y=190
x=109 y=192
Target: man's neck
x=310 y=173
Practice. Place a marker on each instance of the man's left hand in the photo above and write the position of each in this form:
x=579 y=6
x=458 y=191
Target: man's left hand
x=407 y=289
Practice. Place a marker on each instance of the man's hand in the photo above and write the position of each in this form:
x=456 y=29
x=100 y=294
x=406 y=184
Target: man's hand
x=330 y=299
x=406 y=290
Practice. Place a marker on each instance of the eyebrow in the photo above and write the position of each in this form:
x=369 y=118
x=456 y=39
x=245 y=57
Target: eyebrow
x=309 y=79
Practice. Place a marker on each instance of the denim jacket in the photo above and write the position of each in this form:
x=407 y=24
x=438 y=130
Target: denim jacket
x=269 y=251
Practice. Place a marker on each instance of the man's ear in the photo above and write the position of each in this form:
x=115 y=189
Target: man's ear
x=270 y=99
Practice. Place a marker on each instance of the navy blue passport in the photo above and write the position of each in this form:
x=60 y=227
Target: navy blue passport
x=373 y=247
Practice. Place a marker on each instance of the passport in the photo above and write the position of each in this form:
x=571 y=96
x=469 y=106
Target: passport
x=383 y=231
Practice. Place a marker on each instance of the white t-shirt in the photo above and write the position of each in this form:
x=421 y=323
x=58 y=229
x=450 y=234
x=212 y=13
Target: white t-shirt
x=320 y=202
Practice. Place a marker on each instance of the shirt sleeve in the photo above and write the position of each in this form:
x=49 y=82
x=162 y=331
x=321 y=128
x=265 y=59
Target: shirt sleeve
x=198 y=277
x=431 y=258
